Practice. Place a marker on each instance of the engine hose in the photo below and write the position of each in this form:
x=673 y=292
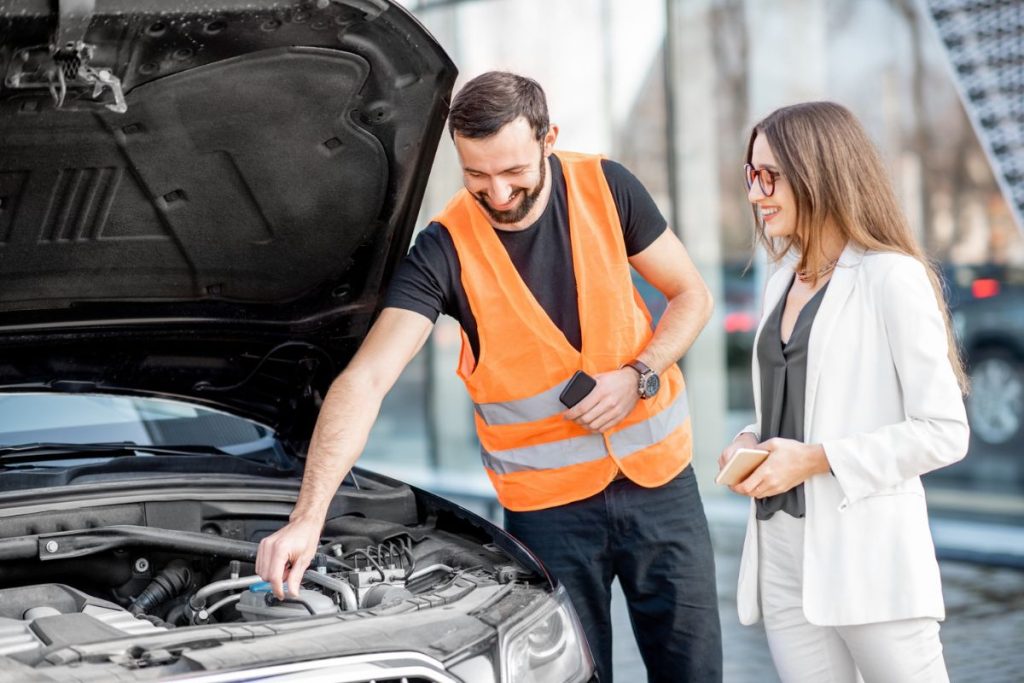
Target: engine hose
x=203 y=615
x=339 y=586
x=198 y=601
x=176 y=615
x=169 y=583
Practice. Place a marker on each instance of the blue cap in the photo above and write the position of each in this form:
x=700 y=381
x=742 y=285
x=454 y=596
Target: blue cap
x=263 y=587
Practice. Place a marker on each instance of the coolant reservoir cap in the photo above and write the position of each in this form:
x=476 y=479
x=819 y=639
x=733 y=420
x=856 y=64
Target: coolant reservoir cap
x=263 y=587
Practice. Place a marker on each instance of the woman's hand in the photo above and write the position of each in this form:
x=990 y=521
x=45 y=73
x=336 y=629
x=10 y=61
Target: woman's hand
x=789 y=463
x=743 y=440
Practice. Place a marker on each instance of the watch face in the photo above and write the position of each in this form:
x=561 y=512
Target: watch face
x=651 y=385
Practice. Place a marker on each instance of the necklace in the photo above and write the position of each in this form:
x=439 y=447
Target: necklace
x=806 y=277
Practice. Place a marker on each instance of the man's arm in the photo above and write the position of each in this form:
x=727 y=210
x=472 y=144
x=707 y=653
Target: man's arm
x=666 y=265
x=346 y=417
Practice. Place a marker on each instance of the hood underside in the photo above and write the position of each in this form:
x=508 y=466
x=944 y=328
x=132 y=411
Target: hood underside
x=202 y=199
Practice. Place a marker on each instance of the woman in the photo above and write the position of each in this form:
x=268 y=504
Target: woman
x=858 y=391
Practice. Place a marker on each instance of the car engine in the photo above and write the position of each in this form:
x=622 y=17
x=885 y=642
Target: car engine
x=70 y=588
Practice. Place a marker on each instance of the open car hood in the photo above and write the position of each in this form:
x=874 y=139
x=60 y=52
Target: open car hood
x=205 y=200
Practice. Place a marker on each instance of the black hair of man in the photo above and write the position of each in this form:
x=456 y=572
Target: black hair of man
x=494 y=99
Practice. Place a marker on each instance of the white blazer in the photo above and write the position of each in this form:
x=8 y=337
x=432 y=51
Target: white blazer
x=883 y=401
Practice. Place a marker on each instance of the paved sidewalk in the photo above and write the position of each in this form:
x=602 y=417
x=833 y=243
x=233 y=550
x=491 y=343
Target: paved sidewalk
x=983 y=635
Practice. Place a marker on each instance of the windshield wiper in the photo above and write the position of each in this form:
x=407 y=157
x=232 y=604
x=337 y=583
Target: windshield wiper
x=43 y=451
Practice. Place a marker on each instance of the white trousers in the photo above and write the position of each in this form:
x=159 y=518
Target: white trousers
x=903 y=651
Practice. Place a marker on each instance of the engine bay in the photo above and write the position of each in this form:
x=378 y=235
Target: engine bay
x=84 y=575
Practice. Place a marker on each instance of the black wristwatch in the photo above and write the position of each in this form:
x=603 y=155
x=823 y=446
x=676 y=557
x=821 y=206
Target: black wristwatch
x=649 y=382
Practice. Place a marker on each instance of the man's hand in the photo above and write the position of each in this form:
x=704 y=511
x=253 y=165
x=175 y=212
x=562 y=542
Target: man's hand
x=345 y=420
x=284 y=555
x=608 y=403
x=789 y=463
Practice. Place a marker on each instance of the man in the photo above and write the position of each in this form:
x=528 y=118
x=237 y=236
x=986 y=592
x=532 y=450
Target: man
x=533 y=258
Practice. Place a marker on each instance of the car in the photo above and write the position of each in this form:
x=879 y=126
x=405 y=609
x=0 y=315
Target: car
x=987 y=309
x=986 y=304
x=201 y=205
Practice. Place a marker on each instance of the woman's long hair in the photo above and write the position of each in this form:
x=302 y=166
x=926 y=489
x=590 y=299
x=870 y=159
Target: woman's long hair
x=837 y=176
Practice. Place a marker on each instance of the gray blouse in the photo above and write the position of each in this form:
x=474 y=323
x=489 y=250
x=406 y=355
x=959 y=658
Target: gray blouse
x=783 y=385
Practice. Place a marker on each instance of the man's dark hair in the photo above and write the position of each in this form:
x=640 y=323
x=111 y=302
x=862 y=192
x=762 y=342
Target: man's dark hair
x=494 y=99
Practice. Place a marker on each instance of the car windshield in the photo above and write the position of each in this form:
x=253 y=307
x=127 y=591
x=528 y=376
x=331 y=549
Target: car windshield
x=83 y=419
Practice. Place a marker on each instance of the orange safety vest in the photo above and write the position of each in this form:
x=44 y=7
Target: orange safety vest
x=536 y=458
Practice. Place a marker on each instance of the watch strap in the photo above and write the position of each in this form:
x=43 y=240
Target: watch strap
x=639 y=366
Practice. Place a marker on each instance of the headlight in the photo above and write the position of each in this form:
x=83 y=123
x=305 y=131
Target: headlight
x=548 y=647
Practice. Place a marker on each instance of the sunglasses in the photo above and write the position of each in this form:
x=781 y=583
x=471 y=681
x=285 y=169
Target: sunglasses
x=765 y=178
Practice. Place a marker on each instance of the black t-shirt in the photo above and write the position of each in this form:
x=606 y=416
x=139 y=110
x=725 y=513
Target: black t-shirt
x=429 y=280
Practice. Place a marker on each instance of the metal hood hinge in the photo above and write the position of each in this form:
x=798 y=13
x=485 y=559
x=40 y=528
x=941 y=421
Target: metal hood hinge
x=66 y=62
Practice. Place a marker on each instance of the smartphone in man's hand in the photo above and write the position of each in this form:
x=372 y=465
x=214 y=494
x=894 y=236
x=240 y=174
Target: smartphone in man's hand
x=578 y=387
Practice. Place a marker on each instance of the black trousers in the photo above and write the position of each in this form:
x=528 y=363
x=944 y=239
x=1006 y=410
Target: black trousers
x=656 y=542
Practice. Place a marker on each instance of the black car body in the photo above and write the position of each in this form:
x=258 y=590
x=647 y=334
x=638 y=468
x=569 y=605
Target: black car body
x=986 y=303
x=987 y=307
x=200 y=206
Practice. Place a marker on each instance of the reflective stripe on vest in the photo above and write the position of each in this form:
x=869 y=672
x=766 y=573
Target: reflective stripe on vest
x=529 y=409
x=591 y=447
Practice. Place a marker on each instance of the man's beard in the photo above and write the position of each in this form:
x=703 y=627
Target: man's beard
x=518 y=213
